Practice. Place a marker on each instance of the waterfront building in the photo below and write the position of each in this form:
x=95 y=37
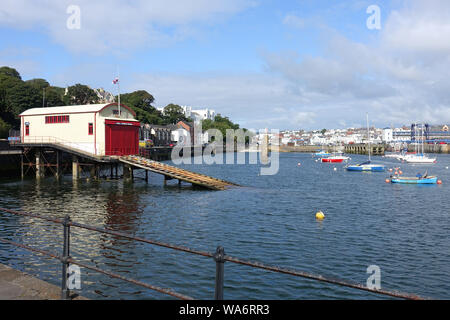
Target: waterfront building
x=98 y=129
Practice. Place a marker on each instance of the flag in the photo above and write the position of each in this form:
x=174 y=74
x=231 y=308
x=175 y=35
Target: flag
x=115 y=81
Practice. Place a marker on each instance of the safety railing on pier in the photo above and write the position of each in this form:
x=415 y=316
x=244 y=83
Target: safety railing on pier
x=219 y=258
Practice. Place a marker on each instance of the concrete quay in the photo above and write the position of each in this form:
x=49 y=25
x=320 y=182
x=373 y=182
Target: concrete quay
x=17 y=285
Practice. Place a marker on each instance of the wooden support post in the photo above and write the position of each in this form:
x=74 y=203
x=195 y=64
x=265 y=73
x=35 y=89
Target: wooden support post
x=165 y=180
x=146 y=176
x=92 y=172
x=39 y=168
x=75 y=168
x=117 y=175
x=179 y=182
x=111 y=174
x=127 y=172
x=21 y=166
x=58 y=165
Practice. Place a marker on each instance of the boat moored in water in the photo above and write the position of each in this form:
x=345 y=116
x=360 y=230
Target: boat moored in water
x=366 y=166
x=335 y=159
x=415 y=180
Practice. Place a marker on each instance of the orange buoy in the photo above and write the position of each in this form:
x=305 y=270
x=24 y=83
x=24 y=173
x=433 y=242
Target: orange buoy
x=439 y=182
x=396 y=173
x=390 y=170
x=400 y=172
x=387 y=180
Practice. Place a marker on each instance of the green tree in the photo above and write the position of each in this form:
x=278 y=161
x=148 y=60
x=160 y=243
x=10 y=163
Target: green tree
x=10 y=72
x=54 y=97
x=16 y=96
x=173 y=113
x=141 y=102
x=323 y=131
x=38 y=83
x=80 y=94
x=4 y=129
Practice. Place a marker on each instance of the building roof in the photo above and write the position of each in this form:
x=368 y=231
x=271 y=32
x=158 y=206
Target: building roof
x=87 y=108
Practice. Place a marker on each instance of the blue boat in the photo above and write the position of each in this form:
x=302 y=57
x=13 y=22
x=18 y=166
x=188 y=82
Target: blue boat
x=418 y=179
x=366 y=166
x=322 y=154
x=415 y=180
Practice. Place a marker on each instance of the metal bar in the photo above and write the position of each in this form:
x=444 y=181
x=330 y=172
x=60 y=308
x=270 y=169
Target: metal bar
x=320 y=278
x=220 y=263
x=157 y=243
x=65 y=292
x=139 y=283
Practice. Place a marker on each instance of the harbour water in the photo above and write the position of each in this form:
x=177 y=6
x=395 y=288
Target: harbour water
x=403 y=229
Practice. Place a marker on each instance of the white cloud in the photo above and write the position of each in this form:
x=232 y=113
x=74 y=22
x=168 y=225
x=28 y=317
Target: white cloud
x=294 y=21
x=117 y=25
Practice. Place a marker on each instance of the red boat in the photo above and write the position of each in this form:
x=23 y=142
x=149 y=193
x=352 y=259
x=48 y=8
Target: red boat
x=335 y=159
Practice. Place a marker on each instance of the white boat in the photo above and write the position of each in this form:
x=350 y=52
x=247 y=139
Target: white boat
x=419 y=156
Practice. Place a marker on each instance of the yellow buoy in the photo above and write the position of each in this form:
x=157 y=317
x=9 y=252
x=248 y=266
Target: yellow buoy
x=320 y=215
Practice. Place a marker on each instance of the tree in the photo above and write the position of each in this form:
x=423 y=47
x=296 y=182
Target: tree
x=222 y=124
x=323 y=131
x=80 y=94
x=38 y=83
x=10 y=72
x=141 y=102
x=4 y=129
x=173 y=113
x=54 y=97
x=16 y=96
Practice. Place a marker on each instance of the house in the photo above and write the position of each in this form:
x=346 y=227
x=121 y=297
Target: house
x=98 y=129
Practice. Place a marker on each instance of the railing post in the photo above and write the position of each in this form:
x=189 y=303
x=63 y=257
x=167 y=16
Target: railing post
x=65 y=292
x=219 y=257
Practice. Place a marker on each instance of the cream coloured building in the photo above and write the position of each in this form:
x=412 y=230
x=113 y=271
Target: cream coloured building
x=97 y=129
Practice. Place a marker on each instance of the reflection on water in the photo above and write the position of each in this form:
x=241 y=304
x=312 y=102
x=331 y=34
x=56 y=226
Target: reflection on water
x=402 y=229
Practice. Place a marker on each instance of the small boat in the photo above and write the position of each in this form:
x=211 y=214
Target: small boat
x=415 y=180
x=335 y=159
x=418 y=179
x=366 y=166
x=418 y=158
x=322 y=154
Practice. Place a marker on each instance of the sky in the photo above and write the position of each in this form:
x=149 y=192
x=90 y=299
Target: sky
x=299 y=64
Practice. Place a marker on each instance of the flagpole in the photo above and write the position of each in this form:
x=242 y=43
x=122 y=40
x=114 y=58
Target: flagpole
x=118 y=87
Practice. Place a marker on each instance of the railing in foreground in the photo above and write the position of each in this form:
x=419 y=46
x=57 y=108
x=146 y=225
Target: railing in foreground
x=219 y=257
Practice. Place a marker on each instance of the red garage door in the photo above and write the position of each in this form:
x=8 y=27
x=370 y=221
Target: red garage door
x=122 y=138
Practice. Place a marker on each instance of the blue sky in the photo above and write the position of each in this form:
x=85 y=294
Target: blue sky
x=280 y=64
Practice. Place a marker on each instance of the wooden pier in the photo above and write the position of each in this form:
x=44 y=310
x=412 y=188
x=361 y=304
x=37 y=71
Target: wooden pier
x=171 y=172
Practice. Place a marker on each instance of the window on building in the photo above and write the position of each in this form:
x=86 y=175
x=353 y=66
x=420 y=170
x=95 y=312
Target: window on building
x=91 y=129
x=57 y=119
x=27 y=129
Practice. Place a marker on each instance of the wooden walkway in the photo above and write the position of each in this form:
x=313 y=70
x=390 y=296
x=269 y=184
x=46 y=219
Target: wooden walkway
x=172 y=172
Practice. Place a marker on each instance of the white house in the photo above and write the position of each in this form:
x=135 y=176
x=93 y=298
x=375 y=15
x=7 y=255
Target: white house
x=98 y=129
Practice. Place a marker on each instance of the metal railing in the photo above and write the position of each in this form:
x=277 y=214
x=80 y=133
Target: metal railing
x=219 y=258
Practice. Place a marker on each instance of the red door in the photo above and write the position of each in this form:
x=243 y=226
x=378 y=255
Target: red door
x=122 y=138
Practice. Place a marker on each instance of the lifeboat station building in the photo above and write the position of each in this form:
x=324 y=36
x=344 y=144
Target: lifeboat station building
x=97 y=129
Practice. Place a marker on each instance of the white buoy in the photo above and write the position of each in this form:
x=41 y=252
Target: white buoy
x=335 y=169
